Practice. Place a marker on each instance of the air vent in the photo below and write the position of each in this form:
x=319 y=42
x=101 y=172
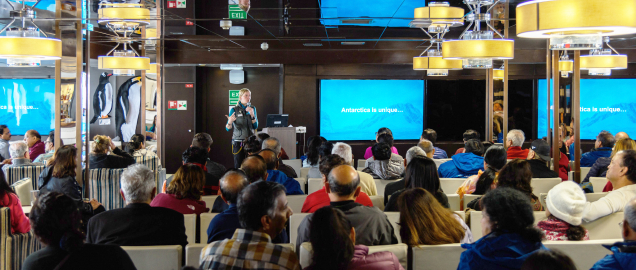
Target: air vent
x=312 y=44
x=358 y=43
x=356 y=21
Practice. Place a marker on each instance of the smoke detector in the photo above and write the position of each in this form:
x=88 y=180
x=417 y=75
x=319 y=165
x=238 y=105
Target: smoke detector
x=226 y=24
x=264 y=46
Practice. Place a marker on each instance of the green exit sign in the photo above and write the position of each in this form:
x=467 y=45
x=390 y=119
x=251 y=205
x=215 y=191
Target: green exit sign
x=236 y=13
x=234 y=97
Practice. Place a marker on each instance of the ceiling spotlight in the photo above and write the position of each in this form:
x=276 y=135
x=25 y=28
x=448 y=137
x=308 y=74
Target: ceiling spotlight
x=264 y=46
x=226 y=24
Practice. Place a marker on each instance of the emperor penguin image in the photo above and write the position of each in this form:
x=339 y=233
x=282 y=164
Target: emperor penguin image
x=128 y=108
x=102 y=98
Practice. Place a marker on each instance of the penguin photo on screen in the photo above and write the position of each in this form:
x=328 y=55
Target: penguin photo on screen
x=128 y=108
x=102 y=98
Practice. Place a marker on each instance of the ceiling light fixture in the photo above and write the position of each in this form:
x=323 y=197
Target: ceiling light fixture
x=23 y=46
x=601 y=62
x=226 y=24
x=566 y=66
x=498 y=74
x=477 y=48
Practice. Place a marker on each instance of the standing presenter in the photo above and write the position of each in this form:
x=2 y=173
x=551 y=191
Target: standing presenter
x=243 y=121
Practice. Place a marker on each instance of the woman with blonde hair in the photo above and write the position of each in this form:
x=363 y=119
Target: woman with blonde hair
x=599 y=169
x=183 y=194
x=99 y=157
x=243 y=121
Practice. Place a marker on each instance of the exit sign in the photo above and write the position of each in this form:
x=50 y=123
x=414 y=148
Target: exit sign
x=234 y=12
x=234 y=97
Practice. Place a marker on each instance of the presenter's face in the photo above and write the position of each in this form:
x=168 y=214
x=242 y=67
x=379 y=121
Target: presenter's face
x=245 y=98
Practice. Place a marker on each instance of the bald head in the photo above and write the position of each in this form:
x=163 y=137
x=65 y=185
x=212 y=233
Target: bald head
x=255 y=168
x=270 y=158
x=231 y=185
x=621 y=135
x=343 y=181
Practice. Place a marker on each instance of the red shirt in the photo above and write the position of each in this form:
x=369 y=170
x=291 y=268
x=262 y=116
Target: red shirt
x=183 y=206
x=36 y=150
x=517 y=152
x=19 y=222
x=320 y=199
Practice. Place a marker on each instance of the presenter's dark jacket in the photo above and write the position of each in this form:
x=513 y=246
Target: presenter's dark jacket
x=89 y=256
x=120 y=160
x=137 y=224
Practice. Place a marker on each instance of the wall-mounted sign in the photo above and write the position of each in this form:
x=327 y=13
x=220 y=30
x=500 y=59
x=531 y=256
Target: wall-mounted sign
x=234 y=97
x=172 y=4
x=236 y=13
x=178 y=105
x=181 y=3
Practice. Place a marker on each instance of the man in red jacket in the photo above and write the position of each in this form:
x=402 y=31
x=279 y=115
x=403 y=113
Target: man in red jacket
x=514 y=142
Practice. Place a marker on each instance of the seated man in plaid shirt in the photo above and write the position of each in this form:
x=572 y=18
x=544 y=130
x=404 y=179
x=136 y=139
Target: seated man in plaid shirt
x=263 y=212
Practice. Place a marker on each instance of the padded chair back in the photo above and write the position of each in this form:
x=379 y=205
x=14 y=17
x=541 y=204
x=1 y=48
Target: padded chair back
x=294 y=223
x=23 y=189
x=598 y=183
x=591 y=197
x=394 y=218
x=209 y=200
x=314 y=184
x=453 y=201
x=543 y=185
x=584 y=171
x=381 y=184
x=296 y=164
x=296 y=202
x=441 y=161
x=14 y=248
x=400 y=251
x=378 y=201
x=450 y=185
x=155 y=257
x=104 y=186
x=606 y=227
x=303 y=184
x=304 y=172
x=361 y=163
x=193 y=254
x=15 y=174
x=204 y=223
x=190 y=222
x=475 y=222
x=461 y=214
x=584 y=254
x=437 y=256
x=469 y=198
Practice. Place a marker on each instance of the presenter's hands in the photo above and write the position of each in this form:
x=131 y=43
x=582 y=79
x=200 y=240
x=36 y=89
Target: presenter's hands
x=231 y=118
x=250 y=110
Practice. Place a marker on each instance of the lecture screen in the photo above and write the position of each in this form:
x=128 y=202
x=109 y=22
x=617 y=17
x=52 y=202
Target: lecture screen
x=606 y=104
x=356 y=109
x=27 y=104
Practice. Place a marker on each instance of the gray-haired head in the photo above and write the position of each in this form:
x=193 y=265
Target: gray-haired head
x=344 y=151
x=427 y=146
x=273 y=144
x=138 y=184
x=517 y=137
x=231 y=184
x=18 y=149
x=630 y=214
x=413 y=152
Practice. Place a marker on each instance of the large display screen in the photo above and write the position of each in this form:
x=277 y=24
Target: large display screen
x=27 y=104
x=356 y=109
x=606 y=104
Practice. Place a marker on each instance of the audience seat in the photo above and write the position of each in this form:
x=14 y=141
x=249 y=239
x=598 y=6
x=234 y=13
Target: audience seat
x=155 y=257
x=584 y=172
x=209 y=201
x=584 y=254
x=15 y=174
x=441 y=161
x=193 y=254
x=296 y=164
x=294 y=223
x=450 y=185
x=190 y=222
x=304 y=172
x=590 y=197
x=303 y=184
x=104 y=186
x=400 y=251
x=475 y=222
x=23 y=189
x=295 y=202
x=378 y=201
x=598 y=183
x=437 y=257
x=381 y=184
x=469 y=198
x=543 y=185
x=394 y=218
x=361 y=163
x=606 y=227
x=14 y=248
x=461 y=214
x=314 y=184
x=453 y=201
x=204 y=223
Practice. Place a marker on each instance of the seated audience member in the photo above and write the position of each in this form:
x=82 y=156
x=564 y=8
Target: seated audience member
x=468 y=135
x=420 y=173
x=36 y=146
x=136 y=147
x=428 y=148
x=274 y=175
x=330 y=229
x=59 y=176
x=494 y=160
x=509 y=235
x=19 y=157
x=384 y=164
x=564 y=205
x=225 y=224
x=602 y=148
x=367 y=183
x=273 y=144
x=547 y=259
x=514 y=142
x=5 y=137
x=623 y=255
x=424 y=221
x=621 y=135
x=371 y=225
x=599 y=169
x=8 y=198
x=497 y=127
x=151 y=133
x=390 y=188
x=100 y=159
x=183 y=194
x=252 y=145
x=313 y=156
x=539 y=159
x=204 y=141
x=320 y=198
x=622 y=174
x=431 y=135
x=324 y=150
x=57 y=223
x=254 y=168
x=464 y=164
x=137 y=224
x=383 y=135
x=49 y=147
x=199 y=156
x=263 y=212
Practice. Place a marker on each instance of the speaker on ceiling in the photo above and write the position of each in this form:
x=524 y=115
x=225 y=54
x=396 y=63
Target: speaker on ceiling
x=237 y=76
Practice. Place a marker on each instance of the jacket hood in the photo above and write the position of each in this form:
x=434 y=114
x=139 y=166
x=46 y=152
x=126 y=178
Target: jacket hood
x=388 y=169
x=624 y=253
x=468 y=163
x=509 y=250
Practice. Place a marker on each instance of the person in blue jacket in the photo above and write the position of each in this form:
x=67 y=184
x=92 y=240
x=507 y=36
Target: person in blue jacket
x=624 y=253
x=274 y=175
x=509 y=234
x=464 y=164
x=602 y=148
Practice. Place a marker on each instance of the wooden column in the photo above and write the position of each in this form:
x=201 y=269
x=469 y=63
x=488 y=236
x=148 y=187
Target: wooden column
x=576 y=112
x=490 y=94
x=58 y=80
x=548 y=68
x=556 y=153
x=79 y=116
x=142 y=113
x=160 y=84
x=505 y=79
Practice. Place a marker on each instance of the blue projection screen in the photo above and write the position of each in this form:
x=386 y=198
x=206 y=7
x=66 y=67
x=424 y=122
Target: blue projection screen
x=27 y=104
x=606 y=104
x=356 y=109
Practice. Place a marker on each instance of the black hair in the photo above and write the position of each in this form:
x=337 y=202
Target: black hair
x=474 y=146
x=51 y=137
x=195 y=155
x=548 y=259
x=384 y=130
x=495 y=158
x=510 y=211
x=422 y=173
x=517 y=174
x=342 y=189
x=2 y=127
x=231 y=195
x=252 y=145
x=629 y=161
x=329 y=162
x=257 y=200
x=471 y=134
x=606 y=139
x=135 y=143
x=313 y=155
x=430 y=134
x=381 y=151
x=325 y=148
x=386 y=138
x=262 y=136
x=202 y=140
x=4 y=189
x=487 y=145
x=330 y=228
x=254 y=172
x=56 y=220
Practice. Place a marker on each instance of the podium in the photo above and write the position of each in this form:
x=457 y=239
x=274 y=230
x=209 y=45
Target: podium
x=287 y=138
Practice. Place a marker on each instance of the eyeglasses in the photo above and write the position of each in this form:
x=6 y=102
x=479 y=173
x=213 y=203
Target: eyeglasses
x=621 y=223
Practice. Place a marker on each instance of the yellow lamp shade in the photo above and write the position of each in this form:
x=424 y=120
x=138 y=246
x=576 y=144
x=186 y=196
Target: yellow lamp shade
x=30 y=47
x=117 y=13
x=440 y=15
x=151 y=33
x=604 y=61
x=153 y=69
x=542 y=19
x=478 y=49
x=435 y=62
x=498 y=74
x=123 y=62
x=566 y=65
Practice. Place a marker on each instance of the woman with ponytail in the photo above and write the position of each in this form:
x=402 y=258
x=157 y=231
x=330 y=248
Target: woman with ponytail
x=333 y=242
x=494 y=159
x=565 y=204
x=136 y=147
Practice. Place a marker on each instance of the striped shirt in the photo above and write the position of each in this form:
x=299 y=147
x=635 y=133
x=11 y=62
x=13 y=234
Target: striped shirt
x=248 y=250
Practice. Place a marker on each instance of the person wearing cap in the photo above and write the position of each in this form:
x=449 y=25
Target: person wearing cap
x=623 y=254
x=564 y=209
x=539 y=159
